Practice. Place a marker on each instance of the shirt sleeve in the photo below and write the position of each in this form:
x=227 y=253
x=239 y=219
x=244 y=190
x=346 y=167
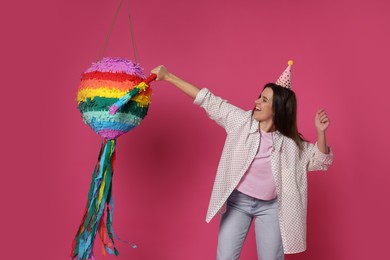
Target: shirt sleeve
x=221 y=111
x=317 y=160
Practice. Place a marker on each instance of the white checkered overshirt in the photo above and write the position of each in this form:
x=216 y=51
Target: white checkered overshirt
x=288 y=167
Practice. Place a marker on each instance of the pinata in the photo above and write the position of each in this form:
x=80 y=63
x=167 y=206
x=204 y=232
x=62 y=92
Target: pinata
x=113 y=98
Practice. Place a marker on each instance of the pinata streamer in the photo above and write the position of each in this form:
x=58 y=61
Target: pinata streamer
x=113 y=98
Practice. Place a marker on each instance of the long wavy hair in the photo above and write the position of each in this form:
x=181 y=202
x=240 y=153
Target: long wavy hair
x=284 y=108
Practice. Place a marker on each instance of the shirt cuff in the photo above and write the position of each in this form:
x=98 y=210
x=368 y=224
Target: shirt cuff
x=325 y=158
x=200 y=96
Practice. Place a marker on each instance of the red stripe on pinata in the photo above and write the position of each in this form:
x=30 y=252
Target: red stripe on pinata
x=111 y=76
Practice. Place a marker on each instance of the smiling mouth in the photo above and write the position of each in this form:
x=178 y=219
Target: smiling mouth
x=257 y=109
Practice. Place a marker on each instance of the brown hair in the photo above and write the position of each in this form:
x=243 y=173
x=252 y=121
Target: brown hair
x=284 y=108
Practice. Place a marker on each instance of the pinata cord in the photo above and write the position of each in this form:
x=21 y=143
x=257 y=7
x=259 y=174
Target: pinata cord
x=99 y=201
x=107 y=39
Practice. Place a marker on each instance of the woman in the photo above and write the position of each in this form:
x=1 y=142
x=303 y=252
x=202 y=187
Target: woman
x=262 y=172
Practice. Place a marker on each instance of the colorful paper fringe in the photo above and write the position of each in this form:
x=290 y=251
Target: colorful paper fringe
x=99 y=202
x=103 y=85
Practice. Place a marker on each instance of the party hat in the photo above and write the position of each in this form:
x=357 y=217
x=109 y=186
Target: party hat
x=285 y=79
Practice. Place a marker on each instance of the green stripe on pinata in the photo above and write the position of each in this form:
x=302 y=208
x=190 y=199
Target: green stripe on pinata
x=102 y=104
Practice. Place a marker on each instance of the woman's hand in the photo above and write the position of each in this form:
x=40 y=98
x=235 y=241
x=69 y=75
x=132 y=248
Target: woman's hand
x=322 y=121
x=161 y=72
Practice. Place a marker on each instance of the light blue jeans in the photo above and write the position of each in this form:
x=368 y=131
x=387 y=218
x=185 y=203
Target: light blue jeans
x=235 y=223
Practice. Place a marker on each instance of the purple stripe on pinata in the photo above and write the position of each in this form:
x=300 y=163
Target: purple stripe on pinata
x=116 y=65
x=110 y=134
x=113 y=109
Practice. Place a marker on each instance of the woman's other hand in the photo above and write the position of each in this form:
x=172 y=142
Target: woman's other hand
x=322 y=121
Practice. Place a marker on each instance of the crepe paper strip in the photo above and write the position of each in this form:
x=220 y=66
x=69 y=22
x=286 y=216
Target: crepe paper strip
x=125 y=241
x=107 y=92
x=99 y=200
x=89 y=94
x=113 y=65
x=103 y=83
x=103 y=116
x=118 y=76
x=102 y=104
x=110 y=133
x=134 y=92
x=111 y=232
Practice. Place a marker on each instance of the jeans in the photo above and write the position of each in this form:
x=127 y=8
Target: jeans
x=235 y=223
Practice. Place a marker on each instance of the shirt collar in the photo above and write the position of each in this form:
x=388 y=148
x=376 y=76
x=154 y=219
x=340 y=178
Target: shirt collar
x=278 y=141
x=254 y=126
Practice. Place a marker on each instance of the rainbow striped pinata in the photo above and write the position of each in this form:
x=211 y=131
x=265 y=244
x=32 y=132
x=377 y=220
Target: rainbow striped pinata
x=113 y=98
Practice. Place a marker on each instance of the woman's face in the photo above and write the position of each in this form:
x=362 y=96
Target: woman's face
x=263 y=109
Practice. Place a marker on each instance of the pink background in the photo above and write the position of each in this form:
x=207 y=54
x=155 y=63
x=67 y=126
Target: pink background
x=166 y=167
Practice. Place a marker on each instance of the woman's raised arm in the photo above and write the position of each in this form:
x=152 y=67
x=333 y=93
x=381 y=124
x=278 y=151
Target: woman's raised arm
x=163 y=74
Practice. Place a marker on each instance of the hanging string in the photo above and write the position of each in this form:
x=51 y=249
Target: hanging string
x=136 y=57
x=110 y=31
x=107 y=39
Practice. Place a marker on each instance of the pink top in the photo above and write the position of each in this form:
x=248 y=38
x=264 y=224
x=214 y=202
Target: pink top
x=258 y=181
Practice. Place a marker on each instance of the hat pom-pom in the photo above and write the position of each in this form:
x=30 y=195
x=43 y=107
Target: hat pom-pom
x=290 y=62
